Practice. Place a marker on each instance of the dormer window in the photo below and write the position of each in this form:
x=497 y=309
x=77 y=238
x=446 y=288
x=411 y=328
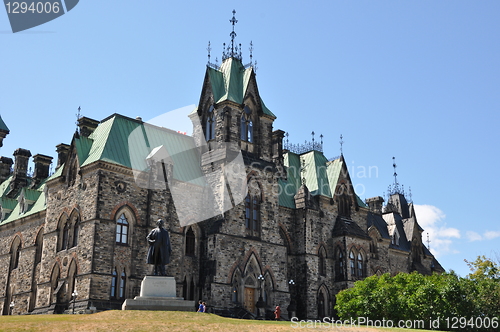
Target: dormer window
x=246 y=126
x=210 y=124
x=395 y=237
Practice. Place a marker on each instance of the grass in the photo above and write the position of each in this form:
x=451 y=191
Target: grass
x=154 y=321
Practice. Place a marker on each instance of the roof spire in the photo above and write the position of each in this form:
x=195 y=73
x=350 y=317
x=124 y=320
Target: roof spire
x=233 y=34
x=232 y=51
x=209 y=49
x=341 y=144
x=395 y=174
x=78 y=116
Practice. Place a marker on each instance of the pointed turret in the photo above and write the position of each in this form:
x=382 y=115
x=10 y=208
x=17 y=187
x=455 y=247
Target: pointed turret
x=4 y=131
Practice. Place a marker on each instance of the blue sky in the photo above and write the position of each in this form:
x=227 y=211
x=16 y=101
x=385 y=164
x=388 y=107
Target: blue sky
x=417 y=80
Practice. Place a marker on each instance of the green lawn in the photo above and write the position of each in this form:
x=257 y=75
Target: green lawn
x=154 y=321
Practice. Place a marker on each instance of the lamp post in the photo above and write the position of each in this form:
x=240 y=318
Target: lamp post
x=260 y=302
x=74 y=294
x=292 y=308
x=11 y=306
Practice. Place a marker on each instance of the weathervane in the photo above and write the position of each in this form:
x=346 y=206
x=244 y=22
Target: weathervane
x=251 y=51
x=77 y=117
x=395 y=174
x=209 y=49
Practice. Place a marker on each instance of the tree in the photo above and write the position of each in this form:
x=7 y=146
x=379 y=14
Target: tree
x=417 y=297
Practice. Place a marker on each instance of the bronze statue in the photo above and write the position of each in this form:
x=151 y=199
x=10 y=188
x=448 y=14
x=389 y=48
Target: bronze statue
x=159 y=248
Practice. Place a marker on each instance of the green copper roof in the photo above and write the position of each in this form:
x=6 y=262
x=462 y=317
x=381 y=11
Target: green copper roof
x=3 y=126
x=8 y=203
x=5 y=186
x=321 y=176
x=37 y=196
x=230 y=82
x=123 y=141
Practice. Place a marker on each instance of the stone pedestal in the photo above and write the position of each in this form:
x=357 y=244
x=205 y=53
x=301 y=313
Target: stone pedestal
x=158 y=293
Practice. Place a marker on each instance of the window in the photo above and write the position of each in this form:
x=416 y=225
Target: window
x=65 y=235
x=344 y=208
x=210 y=124
x=114 y=281
x=235 y=294
x=246 y=126
x=252 y=208
x=352 y=260
x=15 y=250
x=395 y=237
x=122 y=229
x=360 y=266
x=123 y=280
x=75 y=224
x=190 y=242
x=339 y=266
x=38 y=244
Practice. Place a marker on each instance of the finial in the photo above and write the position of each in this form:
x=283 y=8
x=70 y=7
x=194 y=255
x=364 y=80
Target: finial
x=395 y=174
x=410 y=194
x=209 y=49
x=312 y=134
x=255 y=68
x=233 y=34
x=77 y=117
x=286 y=134
x=251 y=51
x=341 y=144
x=428 y=242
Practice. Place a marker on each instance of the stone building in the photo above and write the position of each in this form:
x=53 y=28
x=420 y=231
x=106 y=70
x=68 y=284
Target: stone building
x=298 y=236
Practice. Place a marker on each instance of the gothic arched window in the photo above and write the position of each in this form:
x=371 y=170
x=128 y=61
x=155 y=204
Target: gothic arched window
x=360 y=266
x=190 y=242
x=122 y=229
x=344 y=208
x=246 y=126
x=352 y=262
x=339 y=265
x=38 y=244
x=65 y=236
x=114 y=281
x=210 y=124
x=252 y=208
x=15 y=250
x=123 y=279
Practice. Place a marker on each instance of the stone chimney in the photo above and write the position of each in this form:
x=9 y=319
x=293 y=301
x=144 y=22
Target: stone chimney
x=87 y=126
x=42 y=164
x=62 y=154
x=278 y=147
x=375 y=204
x=20 y=178
x=5 y=168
